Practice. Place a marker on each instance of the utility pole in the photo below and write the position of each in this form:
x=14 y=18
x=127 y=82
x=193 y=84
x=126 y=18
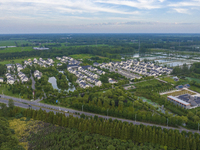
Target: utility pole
x=139 y=48
x=167 y=122
x=198 y=127
x=82 y=107
x=107 y=113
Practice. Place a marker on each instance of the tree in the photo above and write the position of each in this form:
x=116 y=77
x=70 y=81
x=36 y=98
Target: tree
x=11 y=104
x=110 y=147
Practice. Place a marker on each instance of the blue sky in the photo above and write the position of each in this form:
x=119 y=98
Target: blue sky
x=99 y=16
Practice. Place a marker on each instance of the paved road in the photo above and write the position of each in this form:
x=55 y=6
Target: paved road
x=26 y=106
x=55 y=109
x=33 y=82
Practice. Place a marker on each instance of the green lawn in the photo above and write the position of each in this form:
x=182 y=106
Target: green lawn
x=16 y=60
x=7 y=43
x=15 y=49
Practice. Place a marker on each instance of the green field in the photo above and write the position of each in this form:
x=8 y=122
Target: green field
x=16 y=60
x=194 y=88
x=15 y=49
x=82 y=56
x=193 y=79
x=168 y=79
x=19 y=42
x=7 y=43
x=4 y=90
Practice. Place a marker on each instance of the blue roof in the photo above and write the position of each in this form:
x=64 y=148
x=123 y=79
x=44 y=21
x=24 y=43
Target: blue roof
x=180 y=86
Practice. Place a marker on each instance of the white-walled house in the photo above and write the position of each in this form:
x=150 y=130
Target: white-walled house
x=98 y=83
x=1 y=80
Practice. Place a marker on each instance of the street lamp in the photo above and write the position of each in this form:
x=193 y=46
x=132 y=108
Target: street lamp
x=2 y=94
x=107 y=113
x=135 y=117
x=82 y=107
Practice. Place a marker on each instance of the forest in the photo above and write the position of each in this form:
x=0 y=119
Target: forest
x=73 y=132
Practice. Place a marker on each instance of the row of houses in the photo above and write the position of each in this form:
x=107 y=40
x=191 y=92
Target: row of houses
x=22 y=77
x=41 y=62
x=82 y=78
x=10 y=78
x=37 y=74
x=88 y=73
x=100 y=72
x=69 y=60
x=146 y=69
x=19 y=67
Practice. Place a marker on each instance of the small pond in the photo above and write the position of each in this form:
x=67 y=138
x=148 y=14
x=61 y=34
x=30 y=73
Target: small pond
x=52 y=80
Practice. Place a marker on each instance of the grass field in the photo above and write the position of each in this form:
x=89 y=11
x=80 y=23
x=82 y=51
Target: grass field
x=193 y=79
x=7 y=43
x=82 y=56
x=168 y=79
x=16 y=60
x=15 y=49
x=85 y=56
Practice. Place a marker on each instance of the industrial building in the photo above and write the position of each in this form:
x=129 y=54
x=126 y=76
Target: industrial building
x=179 y=102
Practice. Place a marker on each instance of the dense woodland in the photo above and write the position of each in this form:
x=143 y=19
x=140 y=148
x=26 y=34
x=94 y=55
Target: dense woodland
x=74 y=132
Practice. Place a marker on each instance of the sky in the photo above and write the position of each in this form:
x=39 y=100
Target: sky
x=99 y=16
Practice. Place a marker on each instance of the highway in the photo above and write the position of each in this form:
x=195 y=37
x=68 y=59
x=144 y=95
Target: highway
x=24 y=104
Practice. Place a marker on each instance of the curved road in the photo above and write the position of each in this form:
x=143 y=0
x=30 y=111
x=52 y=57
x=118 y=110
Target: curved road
x=24 y=104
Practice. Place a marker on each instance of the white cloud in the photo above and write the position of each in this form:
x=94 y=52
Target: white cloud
x=181 y=10
x=59 y=6
x=140 y=4
x=190 y=3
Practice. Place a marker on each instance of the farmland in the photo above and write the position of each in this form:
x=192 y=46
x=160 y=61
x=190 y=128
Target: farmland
x=7 y=43
x=15 y=49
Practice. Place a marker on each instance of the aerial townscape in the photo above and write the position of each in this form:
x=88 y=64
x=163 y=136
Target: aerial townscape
x=99 y=75
x=141 y=97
